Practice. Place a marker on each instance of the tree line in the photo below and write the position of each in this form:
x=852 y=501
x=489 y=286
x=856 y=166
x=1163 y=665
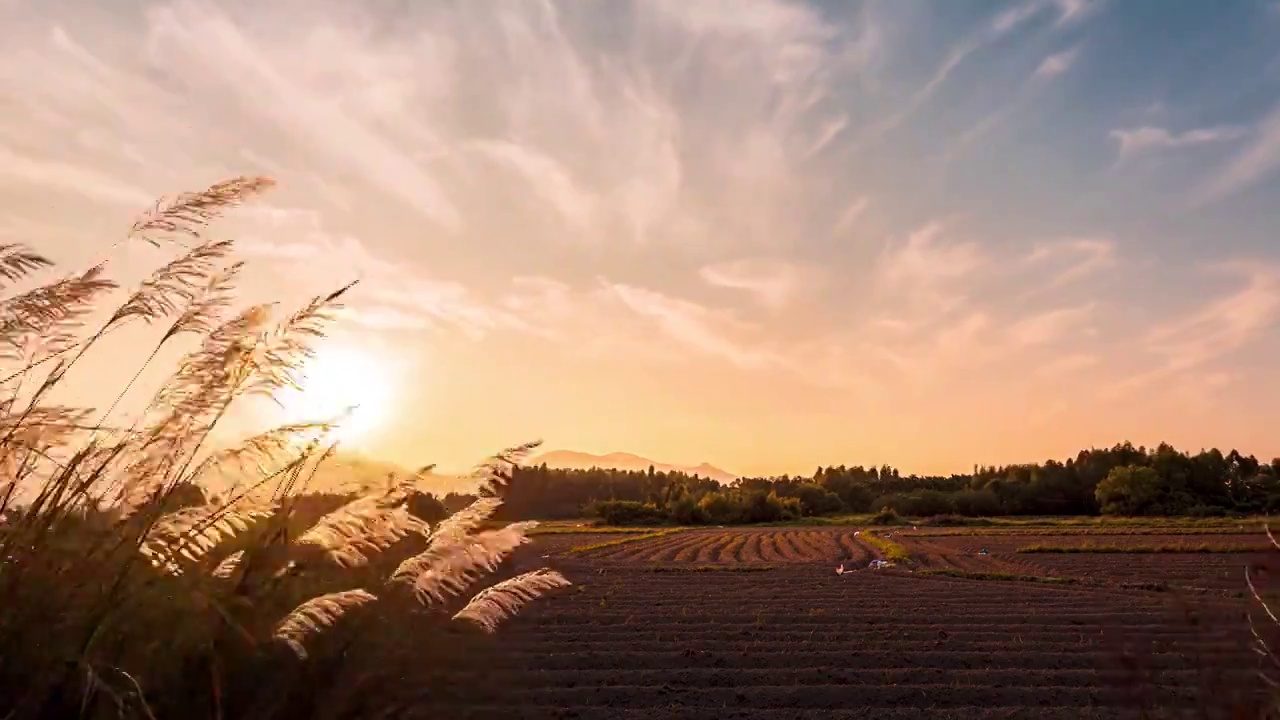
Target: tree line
x=1121 y=480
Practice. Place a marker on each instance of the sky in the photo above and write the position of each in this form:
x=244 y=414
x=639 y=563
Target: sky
x=764 y=234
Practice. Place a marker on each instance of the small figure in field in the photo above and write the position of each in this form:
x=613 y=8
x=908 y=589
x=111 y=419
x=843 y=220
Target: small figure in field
x=983 y=551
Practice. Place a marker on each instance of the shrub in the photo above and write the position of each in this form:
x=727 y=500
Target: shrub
x=816 y=500
x=955 y=521
x=719 y=509
x=131 y=588
x=887 y=548
x=629 y=512
x=886 y=516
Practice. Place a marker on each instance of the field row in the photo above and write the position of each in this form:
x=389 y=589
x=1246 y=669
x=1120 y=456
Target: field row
x=743 y=546
x=801 y=642
x=1220 y=568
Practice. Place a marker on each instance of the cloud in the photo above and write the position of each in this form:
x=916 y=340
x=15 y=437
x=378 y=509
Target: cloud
x=1074 y=11
x=198 y=40
x=392 y=295
x=1067 y=365
x=1222 y=325
x=1057 y=64
x=68 y=178
x=772 y=281
x=694 y=326
x=547 y=178
x=1257 y=161
x=1072 y=259
x=1050 y=68
x=922 y=260
x=921 y=289
x=989 y=33
x=1186 y=347
x=1050 y=326
x=852 y=212
x=1135 y=141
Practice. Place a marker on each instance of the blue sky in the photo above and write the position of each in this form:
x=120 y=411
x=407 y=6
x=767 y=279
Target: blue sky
x=762 y=233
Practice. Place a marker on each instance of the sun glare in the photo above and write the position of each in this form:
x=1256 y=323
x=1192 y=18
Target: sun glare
x=338 y=380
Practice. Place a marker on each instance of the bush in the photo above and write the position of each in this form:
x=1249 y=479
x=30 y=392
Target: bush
x=886 y=516
x=131 y=589
x=1130 y=490
x=629 y=512
x=816 y=500
x=955 y=521
x=720 y=509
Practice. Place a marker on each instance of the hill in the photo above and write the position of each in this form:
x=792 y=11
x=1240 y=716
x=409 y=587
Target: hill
x=572 y=460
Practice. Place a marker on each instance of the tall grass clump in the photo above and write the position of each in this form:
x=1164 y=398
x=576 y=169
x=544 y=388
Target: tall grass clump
x=134 y=586
x=890 y=550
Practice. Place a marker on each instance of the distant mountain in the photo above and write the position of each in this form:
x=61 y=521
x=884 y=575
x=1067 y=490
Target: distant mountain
x=571 y=460
x=346 y=471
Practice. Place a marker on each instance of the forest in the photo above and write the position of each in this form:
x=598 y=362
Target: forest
x=1121 y=480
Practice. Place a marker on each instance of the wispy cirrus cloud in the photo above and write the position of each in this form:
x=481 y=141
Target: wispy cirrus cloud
x=773 y=282
x=738 y=192
x=1258 y=160
x=1071 y=259
x=1057 y=63
x=1145 y=139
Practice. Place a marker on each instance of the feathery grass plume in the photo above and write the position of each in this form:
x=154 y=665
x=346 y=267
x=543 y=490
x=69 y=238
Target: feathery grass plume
x=225 y=569
x=207 y=379
x=349 y=535
x=317 y=615
x=190 y=533
x=260 y=451
x=441 y=572
x=188 y=213
x=18 y=261
x=203 y=314
x=175 y=285
x=281 y=354
x=43 y=426
x=44 y=320
x=497 y=472
x=462 y=523
x=495 y=604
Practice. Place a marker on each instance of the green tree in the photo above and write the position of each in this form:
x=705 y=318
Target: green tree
x=1129 y=490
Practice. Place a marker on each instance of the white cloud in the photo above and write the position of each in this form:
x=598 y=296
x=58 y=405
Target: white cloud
x=1135 y=141
x=547 y=178
x=1072 y=259
x=1257 y=161
x=852 y=212
x=1057 y=64
x=773 y=282
x=1050 y=326
x=197 y=40
x=1074 y=11
x=922 y=260
x=695 y=326
x=1222 y=325
x=1187 y=347
x=24 y=170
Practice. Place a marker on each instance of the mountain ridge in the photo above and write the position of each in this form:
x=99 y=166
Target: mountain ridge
x=575 y=460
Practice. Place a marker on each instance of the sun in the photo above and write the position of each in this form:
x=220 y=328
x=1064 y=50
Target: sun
x=338 y=380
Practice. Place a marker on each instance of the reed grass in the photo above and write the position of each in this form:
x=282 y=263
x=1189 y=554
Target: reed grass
x=131 y=588
x=888 y=549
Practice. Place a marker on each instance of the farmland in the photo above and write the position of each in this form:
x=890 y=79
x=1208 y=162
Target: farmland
x=756 y=623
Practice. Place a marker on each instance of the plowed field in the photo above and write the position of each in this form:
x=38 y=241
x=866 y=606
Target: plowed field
x=755 y=623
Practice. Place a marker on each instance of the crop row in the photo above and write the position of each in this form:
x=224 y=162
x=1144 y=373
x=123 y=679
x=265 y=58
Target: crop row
x=740 y=546
x=798 y=641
